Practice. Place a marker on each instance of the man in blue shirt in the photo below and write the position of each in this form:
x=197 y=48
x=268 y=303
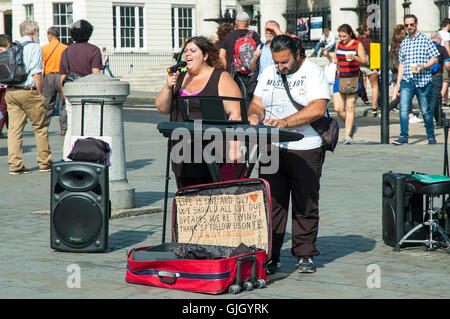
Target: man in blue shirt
x=416 y=56
x=25 y=100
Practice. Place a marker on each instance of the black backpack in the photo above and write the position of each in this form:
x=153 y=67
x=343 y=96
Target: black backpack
x=12 y=68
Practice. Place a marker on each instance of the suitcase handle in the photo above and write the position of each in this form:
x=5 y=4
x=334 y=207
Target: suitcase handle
x=92 y=101
x=240 y=261
x=168 y=277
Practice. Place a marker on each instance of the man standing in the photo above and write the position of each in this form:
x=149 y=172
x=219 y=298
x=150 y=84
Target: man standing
x=416 y=56
x=230 y=45
x=52 y=85
x=25 y=100
x=300 y=162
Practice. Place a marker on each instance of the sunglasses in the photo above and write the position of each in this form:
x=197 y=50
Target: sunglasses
x=409 y=24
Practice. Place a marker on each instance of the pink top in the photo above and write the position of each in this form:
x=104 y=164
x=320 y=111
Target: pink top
x=186 y=93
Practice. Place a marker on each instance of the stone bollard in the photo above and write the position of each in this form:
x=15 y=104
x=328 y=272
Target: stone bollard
x=113 y=92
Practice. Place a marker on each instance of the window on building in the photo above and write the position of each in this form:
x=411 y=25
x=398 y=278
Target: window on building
x=29 y=12
x=63 y=19
x=128 y=25
x=182 y=25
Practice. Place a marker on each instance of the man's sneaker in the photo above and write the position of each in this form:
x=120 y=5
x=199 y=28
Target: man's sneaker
x=400 y=141
x=415 y=119
x=353 y=131
x=348 y=140
x=432 y=141
x=272 y=266
x=306 y=265
x=24 y=170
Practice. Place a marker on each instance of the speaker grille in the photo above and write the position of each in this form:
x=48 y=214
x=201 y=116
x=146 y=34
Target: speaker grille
x=77 y=220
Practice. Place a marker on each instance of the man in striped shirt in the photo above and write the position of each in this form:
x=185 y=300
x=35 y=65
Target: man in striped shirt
x=416 y=56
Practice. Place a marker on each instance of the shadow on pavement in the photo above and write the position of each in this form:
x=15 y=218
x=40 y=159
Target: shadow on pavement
x=126 y=238
x=137 y=164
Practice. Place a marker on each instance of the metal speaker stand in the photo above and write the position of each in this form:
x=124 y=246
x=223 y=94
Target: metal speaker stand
x=431 y=191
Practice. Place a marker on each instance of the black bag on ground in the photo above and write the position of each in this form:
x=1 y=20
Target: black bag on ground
x=89 y=149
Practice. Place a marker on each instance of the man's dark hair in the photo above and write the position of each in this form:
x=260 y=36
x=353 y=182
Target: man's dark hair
x=5 y=40
x=81 y=31
x=54 y=31
x=410 y=16
x=285 y=42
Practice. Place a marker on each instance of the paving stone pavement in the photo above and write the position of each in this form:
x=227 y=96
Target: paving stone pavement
x=352 y=250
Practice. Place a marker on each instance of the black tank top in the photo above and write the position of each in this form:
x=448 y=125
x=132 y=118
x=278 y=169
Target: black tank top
x=211 y=89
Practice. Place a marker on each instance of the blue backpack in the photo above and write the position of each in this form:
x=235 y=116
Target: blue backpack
x=12 y=68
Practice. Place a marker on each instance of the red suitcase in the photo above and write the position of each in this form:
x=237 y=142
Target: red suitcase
x=221 y=239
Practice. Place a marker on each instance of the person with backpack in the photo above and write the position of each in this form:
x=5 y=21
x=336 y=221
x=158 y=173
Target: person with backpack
x=25 y=100
x=236 y=52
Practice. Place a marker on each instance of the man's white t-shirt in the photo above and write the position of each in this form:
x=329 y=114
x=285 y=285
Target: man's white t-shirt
x=307 y=84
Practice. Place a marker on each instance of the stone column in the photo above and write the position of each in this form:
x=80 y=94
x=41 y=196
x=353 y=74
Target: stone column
x=113 y=92
x=273 y=10
x=339 y=17
x=207 y=9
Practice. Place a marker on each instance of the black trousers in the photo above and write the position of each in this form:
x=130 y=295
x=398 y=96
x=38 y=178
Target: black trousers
x=298 y=176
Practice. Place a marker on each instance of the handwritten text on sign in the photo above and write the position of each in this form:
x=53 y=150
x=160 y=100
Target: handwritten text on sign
x=223 y=220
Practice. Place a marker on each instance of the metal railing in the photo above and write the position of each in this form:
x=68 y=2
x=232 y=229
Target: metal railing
x=124 y=63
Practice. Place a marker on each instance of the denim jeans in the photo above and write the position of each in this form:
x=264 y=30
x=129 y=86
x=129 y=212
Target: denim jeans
x=407 y=91
x=319 y=45
x=106 y=67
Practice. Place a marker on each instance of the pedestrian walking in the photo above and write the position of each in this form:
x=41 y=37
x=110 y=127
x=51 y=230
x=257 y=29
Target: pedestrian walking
x=416 y=56
x=350 y=54
x=26 y=101
x=105 y=62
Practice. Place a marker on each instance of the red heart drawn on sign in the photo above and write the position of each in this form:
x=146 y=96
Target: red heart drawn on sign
x=254 y=197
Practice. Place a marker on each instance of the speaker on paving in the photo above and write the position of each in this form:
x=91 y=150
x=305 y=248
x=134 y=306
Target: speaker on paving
x=79 y=207
x=402 y=209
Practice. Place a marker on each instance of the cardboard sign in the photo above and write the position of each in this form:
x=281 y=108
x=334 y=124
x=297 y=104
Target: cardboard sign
x=223 y=220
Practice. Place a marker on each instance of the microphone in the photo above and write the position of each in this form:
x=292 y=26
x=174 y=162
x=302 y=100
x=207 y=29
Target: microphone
x=176 y=67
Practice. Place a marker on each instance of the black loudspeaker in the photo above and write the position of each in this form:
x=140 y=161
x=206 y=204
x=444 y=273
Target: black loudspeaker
x=79 y=207
x=402 y=208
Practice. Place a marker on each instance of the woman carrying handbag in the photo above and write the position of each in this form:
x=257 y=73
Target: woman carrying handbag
x=350 y=54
